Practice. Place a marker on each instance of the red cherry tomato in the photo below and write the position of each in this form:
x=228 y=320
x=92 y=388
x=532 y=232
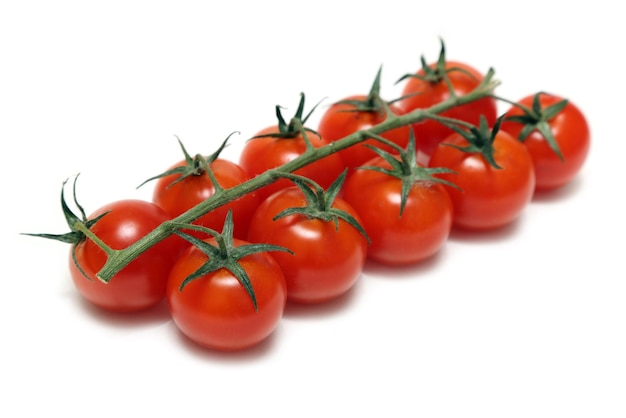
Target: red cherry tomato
x=327 y=259
x=139 y=285
x=176 y=195
x=396 y=239
x=570 y=131
x=262 y=154
x=429 y=87
x=215 y=311
x=284 y=142
x=490 y=197
x=343 y=119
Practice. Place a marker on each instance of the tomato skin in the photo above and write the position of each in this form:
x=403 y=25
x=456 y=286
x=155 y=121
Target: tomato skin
x=418 y=234
x=215 y=310
x=430 y=133
x=572 y=134
x=326 y=262
x=490 y=197
x=341 y=120
x=177 y=198
x=139 y=285
x=262 y=154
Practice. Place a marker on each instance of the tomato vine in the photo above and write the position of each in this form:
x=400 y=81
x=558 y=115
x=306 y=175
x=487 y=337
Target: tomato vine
x=118 y=259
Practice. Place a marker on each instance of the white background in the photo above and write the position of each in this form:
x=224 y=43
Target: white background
x=525 y=322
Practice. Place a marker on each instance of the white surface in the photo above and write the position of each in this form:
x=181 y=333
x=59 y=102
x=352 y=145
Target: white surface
x=526 y=322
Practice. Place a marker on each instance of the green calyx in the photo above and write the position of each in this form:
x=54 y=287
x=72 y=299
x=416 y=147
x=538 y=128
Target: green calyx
x=438 y=72
x=372 y=102
x=194 y=166
x=538 y=118
x=404 y=166
x=480 y=137
x=224 y=255
x=79 y=227
x=296 y=125
x=320 y=202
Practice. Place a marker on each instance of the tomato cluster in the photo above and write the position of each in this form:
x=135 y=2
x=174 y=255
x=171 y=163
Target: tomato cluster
x=304 y=235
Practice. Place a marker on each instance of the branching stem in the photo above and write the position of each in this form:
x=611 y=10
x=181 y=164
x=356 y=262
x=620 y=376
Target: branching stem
x=118 y=259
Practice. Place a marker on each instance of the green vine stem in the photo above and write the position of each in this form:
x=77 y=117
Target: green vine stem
x=118 y=259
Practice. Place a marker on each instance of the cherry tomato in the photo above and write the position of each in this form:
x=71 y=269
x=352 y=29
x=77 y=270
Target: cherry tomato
x=216 y=311
x=569 y=130
x=429 y=87
x=139 y=285
x=490 y=197
x=176 y=195
x=361 y=112
x=342 y=119
x=399 y=238
x=276 y=145
x=327 y=258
